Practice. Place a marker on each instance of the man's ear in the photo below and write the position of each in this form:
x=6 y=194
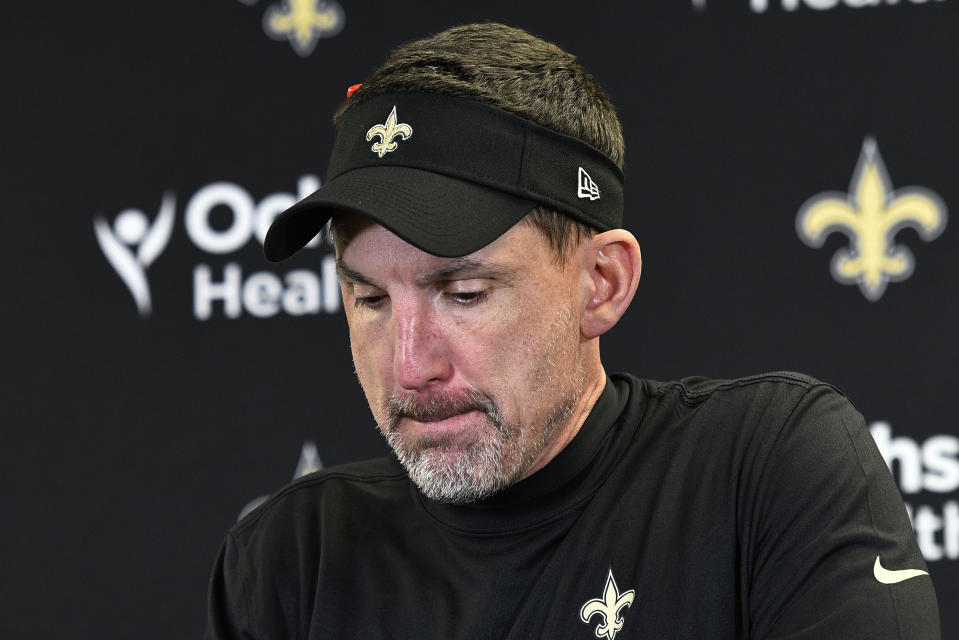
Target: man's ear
x=613 y=264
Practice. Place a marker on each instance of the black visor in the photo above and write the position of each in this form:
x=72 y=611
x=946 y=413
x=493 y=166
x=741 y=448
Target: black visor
x=450 y=175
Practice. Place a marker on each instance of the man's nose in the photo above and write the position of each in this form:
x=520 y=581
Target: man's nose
x=420 y=358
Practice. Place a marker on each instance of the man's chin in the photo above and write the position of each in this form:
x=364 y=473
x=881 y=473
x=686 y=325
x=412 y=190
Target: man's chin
x=450 y=460
x=454 y=490
x=453 y=473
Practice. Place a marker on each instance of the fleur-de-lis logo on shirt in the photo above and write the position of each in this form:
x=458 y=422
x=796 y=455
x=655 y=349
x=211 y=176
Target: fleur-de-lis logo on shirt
x=387 y=132
x=608 y=608
x=871 y=214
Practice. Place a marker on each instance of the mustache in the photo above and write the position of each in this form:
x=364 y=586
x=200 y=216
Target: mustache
x=440 y=407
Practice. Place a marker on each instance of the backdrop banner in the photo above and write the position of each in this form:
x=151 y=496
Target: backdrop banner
x=788 y=175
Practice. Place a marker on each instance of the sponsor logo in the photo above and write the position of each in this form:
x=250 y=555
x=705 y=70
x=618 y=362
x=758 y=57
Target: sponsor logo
x=607 y=608
x=887 y=576
x=871 y=215
x=308 y=463
x=386 y=133
x=131 y=244
x=302 y=22
x=930 y=467
x=586 y=188
x=762 y=6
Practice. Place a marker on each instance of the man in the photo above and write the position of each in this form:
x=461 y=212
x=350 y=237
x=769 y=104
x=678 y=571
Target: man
x=476 y=200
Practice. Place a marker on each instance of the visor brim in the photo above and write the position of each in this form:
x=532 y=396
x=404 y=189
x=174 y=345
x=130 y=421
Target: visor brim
x=439 y=214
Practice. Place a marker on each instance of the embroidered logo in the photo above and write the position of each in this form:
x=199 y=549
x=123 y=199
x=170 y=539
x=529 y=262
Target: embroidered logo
x=871 y=214
x=387 y=132
x=608 y=607
x=888 y=576
x=586 y=188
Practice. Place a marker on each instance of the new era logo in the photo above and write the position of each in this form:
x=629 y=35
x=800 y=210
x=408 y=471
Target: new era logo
x=587 y=188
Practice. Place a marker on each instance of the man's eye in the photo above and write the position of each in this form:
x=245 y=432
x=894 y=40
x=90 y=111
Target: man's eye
x=370 y=302
x=466 y=298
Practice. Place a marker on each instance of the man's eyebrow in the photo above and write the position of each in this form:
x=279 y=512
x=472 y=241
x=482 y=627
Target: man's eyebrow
x=459 y=267
x=347 y=273
x=463 y=267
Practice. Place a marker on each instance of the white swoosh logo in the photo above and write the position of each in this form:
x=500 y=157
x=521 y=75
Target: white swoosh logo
x=886 y=576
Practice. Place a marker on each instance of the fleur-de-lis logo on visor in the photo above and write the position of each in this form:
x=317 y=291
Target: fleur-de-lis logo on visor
x=871 y=214
x=387 y=132
x=608 y=608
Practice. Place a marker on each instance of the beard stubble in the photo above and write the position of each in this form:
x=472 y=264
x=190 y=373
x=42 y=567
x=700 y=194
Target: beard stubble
x=501 y=453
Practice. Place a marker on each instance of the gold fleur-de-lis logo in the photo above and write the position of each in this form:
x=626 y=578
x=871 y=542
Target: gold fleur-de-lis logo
x=608 y=607
x=387 y=132
x=871 y=215
x=303 y=22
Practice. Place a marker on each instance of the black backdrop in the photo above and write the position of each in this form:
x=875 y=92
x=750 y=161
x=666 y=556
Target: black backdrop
x=144 y=142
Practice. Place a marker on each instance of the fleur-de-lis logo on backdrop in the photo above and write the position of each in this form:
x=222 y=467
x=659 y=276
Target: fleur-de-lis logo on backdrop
x=608 y=608
x=303 y=22
x=387 y=132
x=308 y=463
x=871 y=215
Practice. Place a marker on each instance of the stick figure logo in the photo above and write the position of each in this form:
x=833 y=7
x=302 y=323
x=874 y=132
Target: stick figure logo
x=132 y=244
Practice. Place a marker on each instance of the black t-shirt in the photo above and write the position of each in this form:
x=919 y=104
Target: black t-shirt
x=753 y=508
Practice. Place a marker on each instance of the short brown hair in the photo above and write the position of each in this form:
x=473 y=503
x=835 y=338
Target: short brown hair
x=517 y=72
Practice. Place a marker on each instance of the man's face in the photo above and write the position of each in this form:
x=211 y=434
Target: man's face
x=472 y=366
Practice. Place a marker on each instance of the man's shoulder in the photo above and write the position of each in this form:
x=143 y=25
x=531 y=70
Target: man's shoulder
x=695 y=390
x=762 y=404
x=782 y=390
x=305 y=499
